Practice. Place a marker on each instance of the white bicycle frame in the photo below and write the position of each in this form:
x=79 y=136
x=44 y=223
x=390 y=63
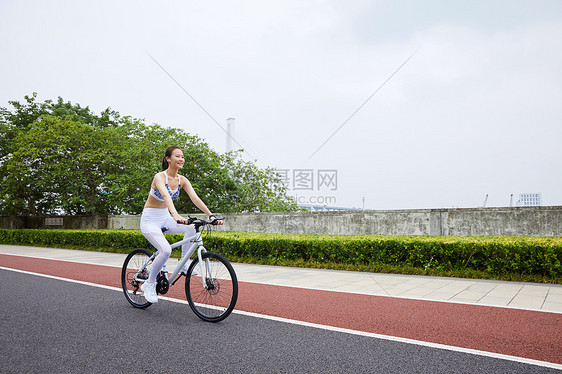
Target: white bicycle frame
x=197 y=241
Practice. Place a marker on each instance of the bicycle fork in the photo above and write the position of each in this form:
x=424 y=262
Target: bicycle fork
x=206 y=276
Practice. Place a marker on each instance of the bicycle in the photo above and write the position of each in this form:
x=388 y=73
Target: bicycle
x=211 y=293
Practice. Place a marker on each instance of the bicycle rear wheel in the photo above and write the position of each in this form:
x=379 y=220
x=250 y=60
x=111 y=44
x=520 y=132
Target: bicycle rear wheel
x=132 y=277
x=214 y=300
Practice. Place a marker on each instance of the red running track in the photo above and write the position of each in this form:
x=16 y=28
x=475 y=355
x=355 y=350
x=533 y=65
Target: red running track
x=515 y=332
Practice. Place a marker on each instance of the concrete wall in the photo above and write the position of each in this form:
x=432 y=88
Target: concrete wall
x=63 y=222
x=124 y=222
x=12 y=222
x=520 y=221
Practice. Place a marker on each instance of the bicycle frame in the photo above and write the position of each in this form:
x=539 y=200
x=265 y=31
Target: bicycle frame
x=197 y=241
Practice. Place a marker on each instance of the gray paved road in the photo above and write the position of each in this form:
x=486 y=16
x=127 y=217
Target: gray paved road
x=50 y=325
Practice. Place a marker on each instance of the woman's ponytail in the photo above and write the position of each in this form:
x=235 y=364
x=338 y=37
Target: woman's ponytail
x=164 y=163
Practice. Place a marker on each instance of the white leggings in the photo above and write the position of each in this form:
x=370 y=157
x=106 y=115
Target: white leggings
x=152 y=222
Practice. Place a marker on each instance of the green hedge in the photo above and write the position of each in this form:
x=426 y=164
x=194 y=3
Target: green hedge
x=108 y=240
x=536 y=256
x=523 y=255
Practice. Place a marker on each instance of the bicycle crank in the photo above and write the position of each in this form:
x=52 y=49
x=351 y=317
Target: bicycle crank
x=162 y=284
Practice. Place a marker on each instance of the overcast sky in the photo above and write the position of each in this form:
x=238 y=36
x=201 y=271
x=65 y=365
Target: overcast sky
x=475 y=111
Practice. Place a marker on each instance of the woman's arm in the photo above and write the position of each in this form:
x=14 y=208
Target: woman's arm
x=196 y=199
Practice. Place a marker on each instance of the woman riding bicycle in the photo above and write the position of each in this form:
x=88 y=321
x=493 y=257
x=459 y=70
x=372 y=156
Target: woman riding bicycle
x=159 y=212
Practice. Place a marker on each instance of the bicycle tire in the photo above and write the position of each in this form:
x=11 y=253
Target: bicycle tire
x=131 y=287
x=216 y=302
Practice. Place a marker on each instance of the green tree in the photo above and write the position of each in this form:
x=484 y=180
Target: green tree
x=24 y=114
x=60 y=165
x=59 y=157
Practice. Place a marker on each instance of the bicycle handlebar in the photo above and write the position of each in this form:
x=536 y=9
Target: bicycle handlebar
x=201 y=222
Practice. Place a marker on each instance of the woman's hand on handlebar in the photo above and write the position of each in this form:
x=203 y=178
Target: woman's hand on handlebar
x=180 y=219
x=214 y=220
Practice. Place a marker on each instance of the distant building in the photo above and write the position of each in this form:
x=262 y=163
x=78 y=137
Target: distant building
x=530 y=199
x=324 y=208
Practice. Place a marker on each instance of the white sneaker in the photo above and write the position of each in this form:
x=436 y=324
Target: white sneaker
x=149 y=290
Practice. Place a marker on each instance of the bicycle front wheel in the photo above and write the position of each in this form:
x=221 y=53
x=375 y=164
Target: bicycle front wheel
x=211 y=295
x=134 y=273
